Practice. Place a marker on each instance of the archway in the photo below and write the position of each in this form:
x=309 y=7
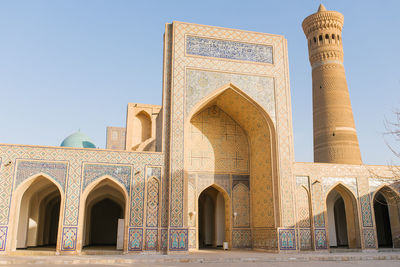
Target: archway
x=342 y=213
x=230 y=139
x=212 y=218
x=386 y=212
x=39 y=213
x=105 y=208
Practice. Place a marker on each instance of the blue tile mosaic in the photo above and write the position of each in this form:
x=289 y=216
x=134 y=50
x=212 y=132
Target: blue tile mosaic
x=28 y=168
x=122 y=173
x=287 y=239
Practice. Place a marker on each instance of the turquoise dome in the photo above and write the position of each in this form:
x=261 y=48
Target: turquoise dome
x=79 y=140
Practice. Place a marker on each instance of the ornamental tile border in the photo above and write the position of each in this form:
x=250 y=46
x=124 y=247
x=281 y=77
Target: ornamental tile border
x=3 y=236
x=369 y=238
x=151 y=239
x=320 y=239
x=366 y=212
x=178 y=239
x=287 y=239
x=135 y=239
x=69 y=237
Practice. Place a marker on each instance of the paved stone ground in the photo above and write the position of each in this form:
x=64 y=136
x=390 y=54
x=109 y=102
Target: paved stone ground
x=388 y=263
x=214 y=258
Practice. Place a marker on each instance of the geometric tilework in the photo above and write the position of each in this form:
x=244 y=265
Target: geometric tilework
x=305 y=239
x=303 y=207
x=6 y=184
x=69 y=237
x=318 y=204
x=206 y=179
x=135 y=239
x=164 y=239
x=178 y=239
x=241 y=238
x=137 y=200
x=152 y=202
x=302 y=180
x=3 y=237
x=228 y=49
x=56 y=170
x=320 y=239
x=265 y=238
x=151 y=239
x=366 y=215
x=287 y=239
x=241 y=205
x=369 y=237
x=217 y=143
x=93 y=171
x=153 y=171
x=47 y=159
x=192 y=238
x=351 y=183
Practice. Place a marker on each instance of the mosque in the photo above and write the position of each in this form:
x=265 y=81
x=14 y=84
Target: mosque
x=214 y=165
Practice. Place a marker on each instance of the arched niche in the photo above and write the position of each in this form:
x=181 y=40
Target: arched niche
x=104 y=203
x=143 y=129
x=386 y=203
x=342 y=214
x=37 y=207
x=214 y=223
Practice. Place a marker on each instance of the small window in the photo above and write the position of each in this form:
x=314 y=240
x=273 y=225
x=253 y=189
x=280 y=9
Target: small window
x=333 y=36
x=315 y=40
x=326 y=36
x=320 y=38
x=310 y=41
x=338 y=37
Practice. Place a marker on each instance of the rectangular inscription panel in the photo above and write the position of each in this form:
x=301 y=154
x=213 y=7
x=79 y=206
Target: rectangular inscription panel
x=228 y=49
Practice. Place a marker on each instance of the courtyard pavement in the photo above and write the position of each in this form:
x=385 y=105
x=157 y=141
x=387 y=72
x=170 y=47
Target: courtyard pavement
x=221 y=258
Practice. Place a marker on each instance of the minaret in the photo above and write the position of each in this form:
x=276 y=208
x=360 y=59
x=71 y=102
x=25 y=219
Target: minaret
x=335 y=136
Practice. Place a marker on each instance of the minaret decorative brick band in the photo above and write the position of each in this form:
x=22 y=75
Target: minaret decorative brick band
x=335 y=136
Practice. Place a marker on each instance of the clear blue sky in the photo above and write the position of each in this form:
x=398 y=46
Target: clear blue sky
x=69 y=65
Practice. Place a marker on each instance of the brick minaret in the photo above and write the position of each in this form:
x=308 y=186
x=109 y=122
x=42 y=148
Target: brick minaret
x=335 y=136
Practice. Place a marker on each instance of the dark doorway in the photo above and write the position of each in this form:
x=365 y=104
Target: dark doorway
x=211 y=218
x=382 y=220
x=104 y=223
x=340 y=223
x=51 y=222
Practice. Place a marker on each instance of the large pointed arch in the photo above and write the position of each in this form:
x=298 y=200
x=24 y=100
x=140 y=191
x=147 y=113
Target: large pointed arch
x=102 y=189
x=261 y=134
x=44 y=190
x=349 y=208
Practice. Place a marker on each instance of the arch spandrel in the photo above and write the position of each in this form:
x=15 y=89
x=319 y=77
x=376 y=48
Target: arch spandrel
x=26 y=169
x=201 y=83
